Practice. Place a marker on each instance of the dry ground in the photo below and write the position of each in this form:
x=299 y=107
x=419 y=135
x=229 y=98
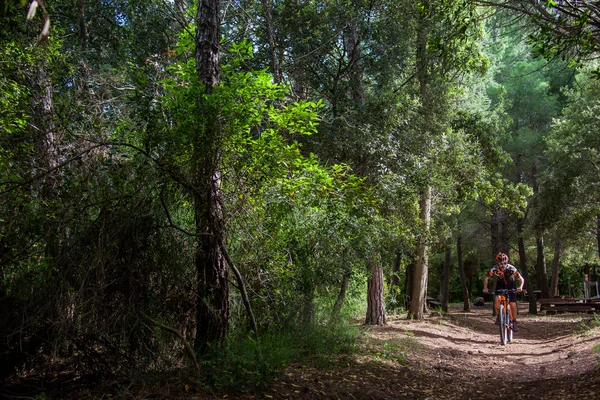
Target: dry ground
x=459 y=356
x=452 y=356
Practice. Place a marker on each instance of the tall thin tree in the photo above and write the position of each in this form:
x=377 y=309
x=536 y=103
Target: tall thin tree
x=211 y=270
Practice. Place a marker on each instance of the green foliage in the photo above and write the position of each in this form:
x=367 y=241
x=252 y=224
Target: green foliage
x=563 y=30
x=320 y=175
x=589 y=325
x=572 y=151
x=457 y=39
x=289 y=215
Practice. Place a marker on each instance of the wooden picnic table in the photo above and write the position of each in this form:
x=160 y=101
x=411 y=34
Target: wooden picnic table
x=562 y=305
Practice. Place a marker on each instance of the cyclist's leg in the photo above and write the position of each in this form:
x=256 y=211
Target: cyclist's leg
x=513 y=310
x=512 y=298
x=513 y=316
x=496 y=303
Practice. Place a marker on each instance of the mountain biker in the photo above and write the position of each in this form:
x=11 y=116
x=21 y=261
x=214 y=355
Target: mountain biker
x=507 y=278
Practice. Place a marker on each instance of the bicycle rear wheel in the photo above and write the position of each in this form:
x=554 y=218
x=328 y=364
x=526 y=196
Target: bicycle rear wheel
x=503 y=326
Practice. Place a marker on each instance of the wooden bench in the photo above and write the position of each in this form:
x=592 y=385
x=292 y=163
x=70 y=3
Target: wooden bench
x=431 y=302
x=562 y=305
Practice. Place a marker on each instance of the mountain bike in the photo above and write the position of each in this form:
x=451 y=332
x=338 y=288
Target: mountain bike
x=504 y=316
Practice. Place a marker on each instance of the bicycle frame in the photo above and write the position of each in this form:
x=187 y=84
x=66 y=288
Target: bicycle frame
x=504 y=316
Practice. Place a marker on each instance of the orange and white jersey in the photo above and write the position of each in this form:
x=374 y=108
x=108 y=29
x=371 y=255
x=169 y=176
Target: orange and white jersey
x=506 y=277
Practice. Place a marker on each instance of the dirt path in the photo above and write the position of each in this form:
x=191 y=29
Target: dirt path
x=459 y=356
x=445 y=357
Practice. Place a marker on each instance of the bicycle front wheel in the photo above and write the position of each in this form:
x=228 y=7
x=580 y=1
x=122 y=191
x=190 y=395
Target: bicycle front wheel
x=503 y=325
x=509 y=326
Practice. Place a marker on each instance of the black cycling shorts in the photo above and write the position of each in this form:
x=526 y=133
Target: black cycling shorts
x=512 y=296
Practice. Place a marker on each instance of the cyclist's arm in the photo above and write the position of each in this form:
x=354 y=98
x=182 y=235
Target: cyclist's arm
x=485 y=284
x=520 y=282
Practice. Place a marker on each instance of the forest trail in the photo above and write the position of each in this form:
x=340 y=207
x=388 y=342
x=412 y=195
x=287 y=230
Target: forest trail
x=451 y=356
x=459 y=356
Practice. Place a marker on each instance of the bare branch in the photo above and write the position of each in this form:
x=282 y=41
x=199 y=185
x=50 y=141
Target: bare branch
x=175 y=332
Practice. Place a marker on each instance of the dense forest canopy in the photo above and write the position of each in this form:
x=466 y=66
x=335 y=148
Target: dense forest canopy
x=175 y=175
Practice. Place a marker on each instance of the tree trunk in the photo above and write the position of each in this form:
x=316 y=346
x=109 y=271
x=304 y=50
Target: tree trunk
x=275 y=69
x=556 y=265
x=212 y=318
x=353 y=54
x=495 y=234
x=410 y=268
x=504 y=221
x=461 y=271
x=208 y=36
x=47 y=150
x=82 y=31
x=598 y=234
x=445 y=282
x=540 y=267
x=395 y=281
x=180 y=13
x=417 y=301
x=524 y=269
x=308 y=304
x=420 y=275
x=242 y=288
x=341 y=299
x=375 y=299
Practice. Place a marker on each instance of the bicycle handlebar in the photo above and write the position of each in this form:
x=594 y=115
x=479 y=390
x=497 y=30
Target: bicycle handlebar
x=501 y=291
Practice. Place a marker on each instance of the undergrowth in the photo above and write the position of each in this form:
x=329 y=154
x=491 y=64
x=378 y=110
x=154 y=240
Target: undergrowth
x=250 y=363
x=588 y=325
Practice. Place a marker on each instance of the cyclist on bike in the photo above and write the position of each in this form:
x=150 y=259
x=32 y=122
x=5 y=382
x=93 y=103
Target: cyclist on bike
x=507 y=278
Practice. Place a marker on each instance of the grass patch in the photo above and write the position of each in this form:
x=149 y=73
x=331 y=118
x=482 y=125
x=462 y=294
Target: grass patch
x=395 y=350
x=250 y=363
x=588 y=325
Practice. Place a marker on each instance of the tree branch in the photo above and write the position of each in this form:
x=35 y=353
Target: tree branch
x=242 y=287
x=175 y=332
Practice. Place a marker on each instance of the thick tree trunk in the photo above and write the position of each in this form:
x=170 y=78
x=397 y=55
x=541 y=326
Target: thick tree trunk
x=208 y=36
x=556 y=265
x=524 y=269
x=212 y=318
x=375 y=299
x=461 y=271
x=540 y=267
x=417 y=301
x=445 y=281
